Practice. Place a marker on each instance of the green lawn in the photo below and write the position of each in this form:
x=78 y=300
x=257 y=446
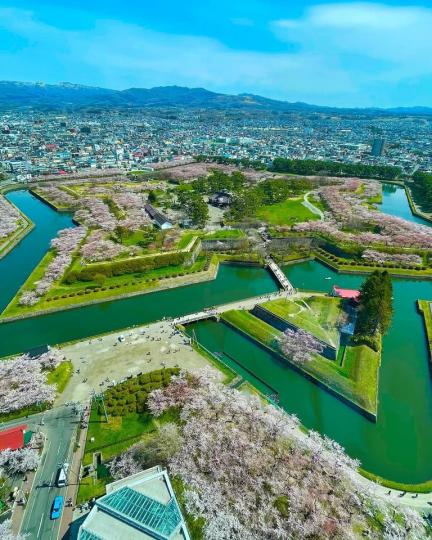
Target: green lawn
x=185 y=240
x=60 y=375
x=423 y=487
x=132 y=239
x=225 y=234
x=425 y=309
x=90 y=488
x=250 y=324
x=286 y=213
x=113 y=437
x=318 y=315
x=356 y=379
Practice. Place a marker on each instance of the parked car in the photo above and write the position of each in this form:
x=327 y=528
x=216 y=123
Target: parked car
x=57 y=506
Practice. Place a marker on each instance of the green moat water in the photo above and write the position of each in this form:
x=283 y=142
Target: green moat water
x=397 y=447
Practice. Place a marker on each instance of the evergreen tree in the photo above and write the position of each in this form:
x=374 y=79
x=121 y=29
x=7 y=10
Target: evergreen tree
x=375 y=305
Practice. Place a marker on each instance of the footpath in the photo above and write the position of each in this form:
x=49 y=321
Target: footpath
x=74 y=479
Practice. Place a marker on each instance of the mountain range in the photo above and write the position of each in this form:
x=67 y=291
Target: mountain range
x=68 y=96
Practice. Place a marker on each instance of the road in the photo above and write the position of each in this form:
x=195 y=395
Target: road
x=312 y=207
x=59 y=427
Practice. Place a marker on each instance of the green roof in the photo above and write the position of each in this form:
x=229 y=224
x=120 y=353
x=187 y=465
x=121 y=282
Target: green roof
x=27 y=437
x=142 y=512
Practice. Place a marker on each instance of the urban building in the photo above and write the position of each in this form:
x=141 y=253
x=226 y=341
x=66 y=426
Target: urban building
x=141 y=506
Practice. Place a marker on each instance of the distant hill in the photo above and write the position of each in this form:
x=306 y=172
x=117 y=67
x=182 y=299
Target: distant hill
x=74 y=96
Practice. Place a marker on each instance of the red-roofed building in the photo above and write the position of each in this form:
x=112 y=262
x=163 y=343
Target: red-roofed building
x=346 y=294
x=12 y=438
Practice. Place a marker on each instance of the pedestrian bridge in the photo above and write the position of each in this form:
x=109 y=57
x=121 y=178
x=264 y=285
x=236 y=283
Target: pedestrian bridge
x=198 y=316
x=279 y=275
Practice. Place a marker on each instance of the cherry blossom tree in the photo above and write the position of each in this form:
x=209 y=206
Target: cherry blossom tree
x=348 y=208
x=7 y=534
x=19 y=461
x=23 y=381
x=64 y=244
x=299 y=346
x=10 y=218
x=58 y=196
x=250 y=472
x=398 y=258
x=124 y=465
x=95 y=214
x=99 y=248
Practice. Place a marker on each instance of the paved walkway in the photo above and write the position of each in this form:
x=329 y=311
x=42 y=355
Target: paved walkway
x=99 y=361
x=312 y=207
x=417 y=501
x=74 y=478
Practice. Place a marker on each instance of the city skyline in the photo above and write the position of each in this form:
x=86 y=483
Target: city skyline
x=348 y=54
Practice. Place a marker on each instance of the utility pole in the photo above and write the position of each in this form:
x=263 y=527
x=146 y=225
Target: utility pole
x=193 y=338
x=99 y=398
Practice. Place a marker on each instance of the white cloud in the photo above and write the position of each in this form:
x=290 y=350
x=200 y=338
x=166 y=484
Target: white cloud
x=374 y=42
x=345 y=54
x=123 y=55
x=365 y=15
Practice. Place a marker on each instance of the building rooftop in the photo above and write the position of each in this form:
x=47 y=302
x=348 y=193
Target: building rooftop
x=138 y=507
x=12 y=438
x=350 y=294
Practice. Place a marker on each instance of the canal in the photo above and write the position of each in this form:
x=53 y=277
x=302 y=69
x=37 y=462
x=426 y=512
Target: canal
x=396 y=447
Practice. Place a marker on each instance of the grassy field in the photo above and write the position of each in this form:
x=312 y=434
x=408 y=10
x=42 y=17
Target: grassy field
x=113 y=437
x=318 y=315
x=356 y=379
x=425 y=309
x=60 y=375
x=286 y=213
x=253 y=326
x=225 y=234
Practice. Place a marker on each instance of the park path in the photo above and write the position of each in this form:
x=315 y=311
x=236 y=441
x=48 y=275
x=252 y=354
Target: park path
x=312 y=207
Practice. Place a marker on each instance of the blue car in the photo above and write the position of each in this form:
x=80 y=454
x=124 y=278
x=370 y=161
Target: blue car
x=56 y=508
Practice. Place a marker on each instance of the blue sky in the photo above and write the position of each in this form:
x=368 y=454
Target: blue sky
x=329 y=53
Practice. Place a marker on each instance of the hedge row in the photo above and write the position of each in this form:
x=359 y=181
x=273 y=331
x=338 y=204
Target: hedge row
x=126 y=266
x=131 y=395
x=366 y=264
x=94 y=288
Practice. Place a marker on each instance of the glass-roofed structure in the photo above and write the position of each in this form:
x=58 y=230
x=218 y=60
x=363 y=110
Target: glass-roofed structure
x=137 y=507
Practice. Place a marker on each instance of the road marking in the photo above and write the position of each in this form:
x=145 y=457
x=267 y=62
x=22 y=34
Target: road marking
x=40 y=525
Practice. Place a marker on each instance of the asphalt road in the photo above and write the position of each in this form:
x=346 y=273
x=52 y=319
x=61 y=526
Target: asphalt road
x=59 y=427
